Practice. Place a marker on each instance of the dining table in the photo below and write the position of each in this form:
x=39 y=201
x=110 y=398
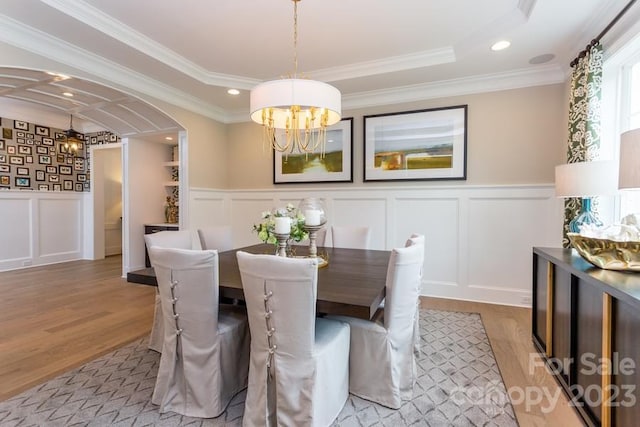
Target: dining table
x=351 y=284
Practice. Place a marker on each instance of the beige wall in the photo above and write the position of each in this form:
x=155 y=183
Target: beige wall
x=513 y=137
x=207 y=142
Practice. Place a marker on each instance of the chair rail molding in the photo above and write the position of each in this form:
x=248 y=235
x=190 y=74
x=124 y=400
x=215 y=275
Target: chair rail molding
x=478 y=238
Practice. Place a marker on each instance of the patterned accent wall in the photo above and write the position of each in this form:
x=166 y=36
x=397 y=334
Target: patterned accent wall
x=33 y=157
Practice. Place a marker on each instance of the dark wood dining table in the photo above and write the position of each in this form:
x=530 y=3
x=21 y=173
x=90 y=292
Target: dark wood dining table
x=352 y=284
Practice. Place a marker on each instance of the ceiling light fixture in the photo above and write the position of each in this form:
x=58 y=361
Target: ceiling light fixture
x=295 y=113
x=68 y=94
x=501 y=45
x=233 y=92
x=71 y=139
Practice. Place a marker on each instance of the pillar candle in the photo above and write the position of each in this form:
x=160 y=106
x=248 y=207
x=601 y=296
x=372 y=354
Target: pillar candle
x=312 y=217
x=283 y=225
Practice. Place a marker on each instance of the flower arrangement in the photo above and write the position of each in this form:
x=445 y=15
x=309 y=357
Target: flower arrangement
x=266 y=228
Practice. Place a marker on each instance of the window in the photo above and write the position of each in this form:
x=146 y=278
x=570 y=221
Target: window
x=621 y=111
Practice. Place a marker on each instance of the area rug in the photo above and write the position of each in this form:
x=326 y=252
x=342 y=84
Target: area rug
x=459 y=384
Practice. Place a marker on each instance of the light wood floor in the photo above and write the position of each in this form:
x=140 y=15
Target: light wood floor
x=58 y=317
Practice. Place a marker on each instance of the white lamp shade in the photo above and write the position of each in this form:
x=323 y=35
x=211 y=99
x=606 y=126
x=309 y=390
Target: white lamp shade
x=629 y=174
x=280 y=95
x=586 y=179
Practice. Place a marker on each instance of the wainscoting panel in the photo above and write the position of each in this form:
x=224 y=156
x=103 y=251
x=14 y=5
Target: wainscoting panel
x=15 y=230
x=207 y=210
x=371 y=212
x=479 y=238
x=40 y=228
x=438 y=221
x=509 y=227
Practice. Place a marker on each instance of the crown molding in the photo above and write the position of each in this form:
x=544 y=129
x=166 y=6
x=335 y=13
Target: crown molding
x=35 y=41
x=94 y=18
x=528 y=77
x=386 y=65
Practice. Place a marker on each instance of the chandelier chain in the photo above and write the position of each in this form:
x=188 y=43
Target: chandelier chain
x=295 y=112
x=295 y=38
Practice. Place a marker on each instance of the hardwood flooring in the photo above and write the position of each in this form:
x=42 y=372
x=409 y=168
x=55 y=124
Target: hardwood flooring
x=58 y=317
x=55 y=318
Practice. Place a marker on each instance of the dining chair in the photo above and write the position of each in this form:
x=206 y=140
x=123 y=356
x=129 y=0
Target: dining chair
x=350 y=237
x=178 y=239
x=382 y=364
x=205 y=352
x=299 y=370
x=417 y=239
x=217 y=237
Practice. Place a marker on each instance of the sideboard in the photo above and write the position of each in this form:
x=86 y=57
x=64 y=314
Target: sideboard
x=586 y=324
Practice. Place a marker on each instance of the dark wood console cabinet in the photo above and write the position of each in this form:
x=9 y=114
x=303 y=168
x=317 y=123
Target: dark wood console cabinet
x=581 y=316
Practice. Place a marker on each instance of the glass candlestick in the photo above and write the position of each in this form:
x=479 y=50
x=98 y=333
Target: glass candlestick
x=313 y=249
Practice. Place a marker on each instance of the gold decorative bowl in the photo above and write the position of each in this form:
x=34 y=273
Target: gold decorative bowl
x=607 y=254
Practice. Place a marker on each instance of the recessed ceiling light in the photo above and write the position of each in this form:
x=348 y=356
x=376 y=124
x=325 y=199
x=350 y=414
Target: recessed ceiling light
x=168 y=138
x=69 y=94
x=502 y=44
x=233 y=92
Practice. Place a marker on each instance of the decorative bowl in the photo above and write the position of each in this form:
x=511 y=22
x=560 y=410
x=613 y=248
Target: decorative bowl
x=607 y=254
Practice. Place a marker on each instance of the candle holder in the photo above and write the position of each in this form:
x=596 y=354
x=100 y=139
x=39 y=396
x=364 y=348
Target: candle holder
x=282 y=244
x=313 y=249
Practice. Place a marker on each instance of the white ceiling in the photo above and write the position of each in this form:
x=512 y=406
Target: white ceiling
x=375 y=52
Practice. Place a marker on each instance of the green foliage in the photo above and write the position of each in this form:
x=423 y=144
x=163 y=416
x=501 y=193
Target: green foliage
x=266 y=228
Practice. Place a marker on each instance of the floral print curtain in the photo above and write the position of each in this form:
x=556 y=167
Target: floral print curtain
x=584 y=120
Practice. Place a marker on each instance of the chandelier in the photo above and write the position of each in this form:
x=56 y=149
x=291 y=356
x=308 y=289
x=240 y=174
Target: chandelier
x=295 y=113
x=71 y=139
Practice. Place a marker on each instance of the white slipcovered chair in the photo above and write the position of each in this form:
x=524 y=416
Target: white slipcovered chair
x=299 y=370
x=382 y=365
x=350 y=237
x=417 y=239
x=216 y=237
x=205 y=353
x=177 y=239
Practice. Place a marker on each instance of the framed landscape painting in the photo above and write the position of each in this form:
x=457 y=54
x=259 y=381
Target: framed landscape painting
x=416 y=145
x=335 y=166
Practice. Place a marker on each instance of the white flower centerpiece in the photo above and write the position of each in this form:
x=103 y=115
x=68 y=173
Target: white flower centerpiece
x=268 y=231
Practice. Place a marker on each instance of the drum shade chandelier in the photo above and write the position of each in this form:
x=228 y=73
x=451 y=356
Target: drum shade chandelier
x=295 y=113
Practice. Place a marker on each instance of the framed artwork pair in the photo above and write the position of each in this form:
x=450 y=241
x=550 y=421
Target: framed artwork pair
x=428 y=144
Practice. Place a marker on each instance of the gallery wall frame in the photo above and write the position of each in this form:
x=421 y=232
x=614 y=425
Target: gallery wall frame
x=336 y=166
x=418 y=145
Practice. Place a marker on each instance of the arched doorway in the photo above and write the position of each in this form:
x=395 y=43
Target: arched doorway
x=48 y=98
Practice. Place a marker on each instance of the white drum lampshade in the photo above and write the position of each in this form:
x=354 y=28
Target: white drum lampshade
x=629 y=173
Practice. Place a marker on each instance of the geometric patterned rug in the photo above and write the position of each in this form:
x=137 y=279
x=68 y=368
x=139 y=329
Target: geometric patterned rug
x=459 y=384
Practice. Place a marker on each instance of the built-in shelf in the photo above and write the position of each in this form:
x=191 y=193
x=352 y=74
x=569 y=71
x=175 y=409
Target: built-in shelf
x=172 y=184
x=172 y=164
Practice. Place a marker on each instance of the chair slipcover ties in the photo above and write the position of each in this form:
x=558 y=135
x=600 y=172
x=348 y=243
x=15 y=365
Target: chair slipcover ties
x=176 y=315
x=298 y=373
x=163 y=239
x=270 y=329
x=205 y=352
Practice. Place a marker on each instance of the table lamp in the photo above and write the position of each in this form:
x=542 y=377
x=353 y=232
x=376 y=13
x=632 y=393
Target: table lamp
x=629 y=172
x=586 y=180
